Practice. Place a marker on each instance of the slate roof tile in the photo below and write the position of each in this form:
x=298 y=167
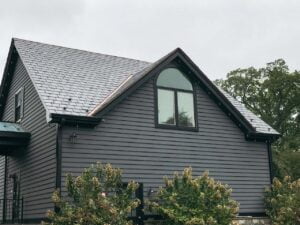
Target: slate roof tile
x=88 y=78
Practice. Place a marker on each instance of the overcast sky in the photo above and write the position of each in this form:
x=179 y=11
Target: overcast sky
x=218 y=35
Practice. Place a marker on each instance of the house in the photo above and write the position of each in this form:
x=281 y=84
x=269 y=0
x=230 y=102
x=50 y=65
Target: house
x=63 y=109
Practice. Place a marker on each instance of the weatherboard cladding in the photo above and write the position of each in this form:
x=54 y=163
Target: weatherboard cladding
x=2 y=174
x=75 y=82
x=36 y=164
x=128 y=139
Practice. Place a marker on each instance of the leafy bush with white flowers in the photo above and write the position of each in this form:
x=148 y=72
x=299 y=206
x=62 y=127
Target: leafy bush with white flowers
x=96 y=197
x=282 y=201
x=194 y=201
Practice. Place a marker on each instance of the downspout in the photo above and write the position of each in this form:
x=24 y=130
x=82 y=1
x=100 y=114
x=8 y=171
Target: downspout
x=269 y=143
x=58 y=159
x=4 y=194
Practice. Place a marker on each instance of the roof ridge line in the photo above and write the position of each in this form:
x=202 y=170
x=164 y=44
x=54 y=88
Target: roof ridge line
x=77 y=49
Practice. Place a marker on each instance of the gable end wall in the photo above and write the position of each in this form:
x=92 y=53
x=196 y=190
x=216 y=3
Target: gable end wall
x=128 y=139
x=36 y=165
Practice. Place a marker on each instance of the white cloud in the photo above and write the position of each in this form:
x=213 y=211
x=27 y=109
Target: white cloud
x=218 y=35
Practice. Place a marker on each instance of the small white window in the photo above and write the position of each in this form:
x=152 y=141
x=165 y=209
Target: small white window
x=19 y=105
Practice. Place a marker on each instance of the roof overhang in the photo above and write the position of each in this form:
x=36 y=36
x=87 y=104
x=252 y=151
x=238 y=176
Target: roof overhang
x=262 y=137
x=131 y=84
x=74 y=120
x=12 y=138
x=182 y=59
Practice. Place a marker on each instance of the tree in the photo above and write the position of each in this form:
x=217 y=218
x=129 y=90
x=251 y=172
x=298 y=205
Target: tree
x=184 y=119
x=272 y=93
x=194 y=201
x=282 y=202
x=96 y=197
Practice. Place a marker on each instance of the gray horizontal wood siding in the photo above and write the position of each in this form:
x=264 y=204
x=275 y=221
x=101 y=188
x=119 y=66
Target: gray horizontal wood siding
x=128 y=139
x=36 y=165
x=2 y=174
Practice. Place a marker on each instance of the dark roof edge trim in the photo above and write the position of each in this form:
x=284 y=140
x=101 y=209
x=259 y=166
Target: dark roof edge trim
x=249 y=129
x=74 y=120
x=13 y=134
x=134 y=82
x=263 y=137
x=215 y=91
x=8 y=70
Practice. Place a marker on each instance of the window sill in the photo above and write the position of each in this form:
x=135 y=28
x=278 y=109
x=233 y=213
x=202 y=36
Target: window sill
x=170 y=127
x=18 y=121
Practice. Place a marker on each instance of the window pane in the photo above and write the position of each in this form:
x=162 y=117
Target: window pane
x=17 y=114
x=17 y=99
x=173 y=78
x=186 y=109
x=166 y=107
x=19 y=105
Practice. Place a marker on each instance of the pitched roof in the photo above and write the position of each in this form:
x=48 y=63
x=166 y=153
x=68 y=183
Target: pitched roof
x=80 y=83
x=71 y=81
x=256 y=122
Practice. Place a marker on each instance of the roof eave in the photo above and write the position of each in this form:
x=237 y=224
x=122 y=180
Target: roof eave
x=258 y=136
x=74 y=120
x=13 y=134
x=209 y=87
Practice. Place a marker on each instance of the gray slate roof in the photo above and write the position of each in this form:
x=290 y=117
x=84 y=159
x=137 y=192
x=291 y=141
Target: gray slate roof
x=74 y=82
x=255 y=121
x=60 y=74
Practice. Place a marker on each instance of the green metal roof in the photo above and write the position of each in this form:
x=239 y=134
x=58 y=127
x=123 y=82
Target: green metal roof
x=12 y=138
x=11 y=127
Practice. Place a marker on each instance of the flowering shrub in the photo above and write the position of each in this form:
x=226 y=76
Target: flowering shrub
x=98 y=196
x=194 y=201
x=282 y=202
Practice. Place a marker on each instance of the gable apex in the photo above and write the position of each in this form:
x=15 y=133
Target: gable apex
x=250 y=124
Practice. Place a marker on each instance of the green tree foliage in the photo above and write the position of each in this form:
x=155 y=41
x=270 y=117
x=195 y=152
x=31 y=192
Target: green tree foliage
x=287 y=162
x=282 y=202
x=194 y=201
x=183 y=118
x=96 y=197
x=272 y=93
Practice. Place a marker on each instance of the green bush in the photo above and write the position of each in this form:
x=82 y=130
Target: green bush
x=98 y=196
x=194 y=201
x=286 y=163
x=282 y=202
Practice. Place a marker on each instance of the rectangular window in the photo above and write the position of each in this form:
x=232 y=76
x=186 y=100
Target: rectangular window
x=166 y=107
x=185 y=109
x=19 y=105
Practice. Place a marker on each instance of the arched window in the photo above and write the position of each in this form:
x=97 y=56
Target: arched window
x=175 y=100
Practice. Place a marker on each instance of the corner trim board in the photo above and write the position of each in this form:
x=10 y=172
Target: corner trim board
x=5 y=189
x=58 y=158
x=270 y=156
